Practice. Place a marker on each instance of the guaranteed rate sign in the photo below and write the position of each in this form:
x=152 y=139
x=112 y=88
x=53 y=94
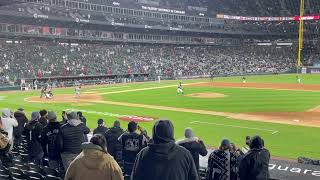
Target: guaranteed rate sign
x=282 y=169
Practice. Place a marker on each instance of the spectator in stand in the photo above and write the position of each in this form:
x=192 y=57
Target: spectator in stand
x=255 y=164
x=131 y=144
x=5 y=158
x=101 y=129
x=163 y=159
x=64 y=117
x=222 y=163
x=8 y=123
x=51 y=142
x=22 y=121
x=94 y=162
x=72 y=135
x=43 y=119
x=246 y=148
x=82 y=118
x=84 y=121
x=33 y=132
x=194 y=145
x=112 y=135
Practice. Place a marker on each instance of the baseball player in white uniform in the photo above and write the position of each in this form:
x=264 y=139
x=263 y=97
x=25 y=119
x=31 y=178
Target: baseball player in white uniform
x=77 y=91
x=180 y=88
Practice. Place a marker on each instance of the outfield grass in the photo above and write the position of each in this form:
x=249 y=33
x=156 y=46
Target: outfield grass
x=290 y=141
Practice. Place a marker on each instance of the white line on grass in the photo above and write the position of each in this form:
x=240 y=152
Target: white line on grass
x=144 y=89
x=114 y=87
x=234 y=126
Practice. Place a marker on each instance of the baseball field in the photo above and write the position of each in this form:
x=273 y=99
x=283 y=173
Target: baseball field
x=286 y=114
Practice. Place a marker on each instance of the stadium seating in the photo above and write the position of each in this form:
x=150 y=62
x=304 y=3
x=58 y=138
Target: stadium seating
x=47 y=59
x=21 y=169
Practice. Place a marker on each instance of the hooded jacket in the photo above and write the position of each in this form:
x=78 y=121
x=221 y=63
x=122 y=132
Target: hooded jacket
x=72 y=136
x=33 y=132
x=196 y=148
x=8 y=123
x=93 y=163
x=22 y=121
x=255 y=164
x=113 y=144
x=163 y=159
x=50 y=140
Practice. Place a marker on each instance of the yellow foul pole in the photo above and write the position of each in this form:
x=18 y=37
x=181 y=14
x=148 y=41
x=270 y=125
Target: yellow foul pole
x=300 y=33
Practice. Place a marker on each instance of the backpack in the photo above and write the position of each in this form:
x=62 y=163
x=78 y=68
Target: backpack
x=4 y=140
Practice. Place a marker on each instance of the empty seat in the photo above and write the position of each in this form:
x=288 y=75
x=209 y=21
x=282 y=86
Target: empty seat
x=49 y=171
x=50 y=177
x=36 y=168
x=32 y=175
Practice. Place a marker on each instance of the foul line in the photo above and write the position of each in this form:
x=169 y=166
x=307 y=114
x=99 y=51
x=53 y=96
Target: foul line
x=113 y=87
x=148 y=88
x=234 y=126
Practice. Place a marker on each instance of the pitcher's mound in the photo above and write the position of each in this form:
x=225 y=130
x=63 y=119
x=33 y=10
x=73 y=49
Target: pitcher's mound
x=207 y=95
x=66 y=98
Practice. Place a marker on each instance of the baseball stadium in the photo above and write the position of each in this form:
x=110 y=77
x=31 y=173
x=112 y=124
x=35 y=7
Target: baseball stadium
x=232 y=87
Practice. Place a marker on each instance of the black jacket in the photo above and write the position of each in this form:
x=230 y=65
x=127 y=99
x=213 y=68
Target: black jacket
x=131 y=144
x=50 y=140
x=195 y=147
x=100 y=130
x=33 y=132
x=72 y=136
x=113 y=144
x=43 y=121
x=22 y=121
x=254 y=165
x=164 y=162
x=83 y=120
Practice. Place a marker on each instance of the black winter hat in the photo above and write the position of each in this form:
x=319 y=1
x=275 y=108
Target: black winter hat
x=132 y=126
x=163 y=132
x=256 y=143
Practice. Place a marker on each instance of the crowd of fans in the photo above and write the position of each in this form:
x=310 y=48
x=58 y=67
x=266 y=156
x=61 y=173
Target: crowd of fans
x=117 y=154
x=46 y=59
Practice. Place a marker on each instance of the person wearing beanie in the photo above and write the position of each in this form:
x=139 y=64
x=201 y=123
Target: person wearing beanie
x=222 y=163
x=163 y=159
x=94 y=162
x=112 y=135
x=33 y=132
x=194 y=145
x=22 y=120
x=8 y=123
x=131 y=144
x=72 y=134
x=255 y=163
x=51 y=141
x=101 y=129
